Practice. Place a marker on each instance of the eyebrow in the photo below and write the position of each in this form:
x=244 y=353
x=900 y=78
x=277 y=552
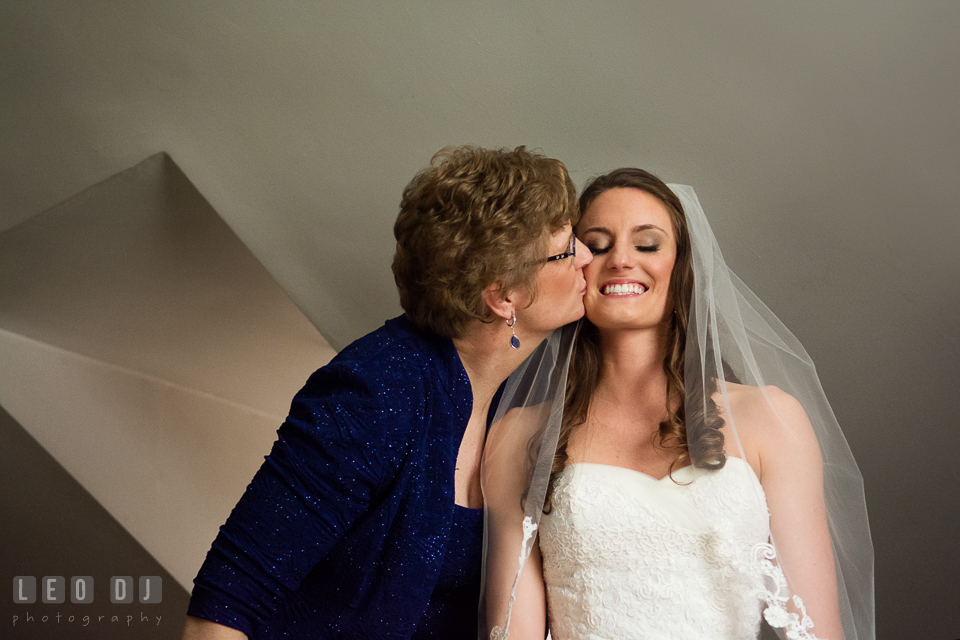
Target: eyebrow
x=566 y=243
x=642 y=227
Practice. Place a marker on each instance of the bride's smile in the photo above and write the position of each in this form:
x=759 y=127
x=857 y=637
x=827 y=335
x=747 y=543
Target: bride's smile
x=622 y=289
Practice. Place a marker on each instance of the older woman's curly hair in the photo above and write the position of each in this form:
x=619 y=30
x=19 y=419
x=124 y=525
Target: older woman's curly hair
x=475 y=217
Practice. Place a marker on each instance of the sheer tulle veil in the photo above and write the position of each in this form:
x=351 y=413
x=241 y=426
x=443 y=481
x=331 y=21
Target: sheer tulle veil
x=732 y=339
x=517 y=460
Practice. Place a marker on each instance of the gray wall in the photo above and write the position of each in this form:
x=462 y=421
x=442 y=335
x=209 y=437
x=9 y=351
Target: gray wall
x=150 y=353
x=53 y=527
x=823 y=140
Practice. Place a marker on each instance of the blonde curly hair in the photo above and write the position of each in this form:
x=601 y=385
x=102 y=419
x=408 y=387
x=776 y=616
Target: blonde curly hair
x=472 y=218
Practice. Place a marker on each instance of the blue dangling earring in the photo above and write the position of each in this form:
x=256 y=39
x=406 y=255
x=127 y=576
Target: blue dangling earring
x=514 y=340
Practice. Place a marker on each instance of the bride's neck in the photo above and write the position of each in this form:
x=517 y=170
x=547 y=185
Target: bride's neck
x=633 y=360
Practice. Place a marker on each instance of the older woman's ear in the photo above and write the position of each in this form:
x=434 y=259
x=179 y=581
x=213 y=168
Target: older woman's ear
x=501 y=302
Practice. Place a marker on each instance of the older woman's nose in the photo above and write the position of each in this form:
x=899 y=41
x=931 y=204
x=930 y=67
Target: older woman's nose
x=583 y=257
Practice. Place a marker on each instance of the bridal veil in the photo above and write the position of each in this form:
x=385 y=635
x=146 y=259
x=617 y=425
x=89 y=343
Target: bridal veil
x=732 y=338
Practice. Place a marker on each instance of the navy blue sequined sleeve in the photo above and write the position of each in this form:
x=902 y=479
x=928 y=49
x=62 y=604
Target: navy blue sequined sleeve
x=338 y=451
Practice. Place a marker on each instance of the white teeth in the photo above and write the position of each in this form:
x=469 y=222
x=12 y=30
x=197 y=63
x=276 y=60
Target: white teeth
x=615 y=289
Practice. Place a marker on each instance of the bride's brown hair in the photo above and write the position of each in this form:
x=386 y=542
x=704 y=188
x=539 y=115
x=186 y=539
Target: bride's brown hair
x=698 y=436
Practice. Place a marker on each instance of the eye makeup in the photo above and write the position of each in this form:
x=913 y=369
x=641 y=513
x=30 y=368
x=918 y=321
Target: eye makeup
x=646 y=239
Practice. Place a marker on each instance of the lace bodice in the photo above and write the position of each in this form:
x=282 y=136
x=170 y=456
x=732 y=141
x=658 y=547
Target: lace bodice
x=628 y=556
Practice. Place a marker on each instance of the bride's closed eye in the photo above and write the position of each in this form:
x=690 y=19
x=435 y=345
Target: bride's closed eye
x=597 y=249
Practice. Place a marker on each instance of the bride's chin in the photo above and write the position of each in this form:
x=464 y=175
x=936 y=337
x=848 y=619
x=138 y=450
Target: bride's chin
x=605 y=323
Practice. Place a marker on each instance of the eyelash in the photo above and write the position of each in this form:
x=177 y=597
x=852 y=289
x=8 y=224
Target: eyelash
x=599 y=251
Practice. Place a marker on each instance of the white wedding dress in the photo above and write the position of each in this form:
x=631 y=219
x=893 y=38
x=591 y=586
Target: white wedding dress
x=628 y=556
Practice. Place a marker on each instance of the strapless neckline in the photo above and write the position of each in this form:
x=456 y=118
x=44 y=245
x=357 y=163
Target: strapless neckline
x=630 y=556
x=687 y=474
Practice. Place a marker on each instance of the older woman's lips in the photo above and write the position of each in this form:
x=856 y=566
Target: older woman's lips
x=623 y=289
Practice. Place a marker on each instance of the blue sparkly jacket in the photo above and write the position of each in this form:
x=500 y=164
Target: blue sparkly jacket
x=342 y=531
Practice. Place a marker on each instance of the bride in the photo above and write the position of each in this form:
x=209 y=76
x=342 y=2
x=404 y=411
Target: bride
x=692 y=478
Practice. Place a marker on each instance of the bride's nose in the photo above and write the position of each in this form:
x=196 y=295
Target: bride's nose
x=620 y=257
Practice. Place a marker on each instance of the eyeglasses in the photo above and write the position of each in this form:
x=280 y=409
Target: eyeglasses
x=570 y=252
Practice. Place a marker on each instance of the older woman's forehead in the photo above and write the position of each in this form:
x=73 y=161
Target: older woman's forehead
x=560 y=238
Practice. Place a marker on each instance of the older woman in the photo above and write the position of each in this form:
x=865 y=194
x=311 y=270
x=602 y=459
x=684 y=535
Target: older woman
x=700 y=479
x=365 y=520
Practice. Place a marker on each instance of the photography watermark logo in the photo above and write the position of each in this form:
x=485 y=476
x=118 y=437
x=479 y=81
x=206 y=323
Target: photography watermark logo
x=54 y=590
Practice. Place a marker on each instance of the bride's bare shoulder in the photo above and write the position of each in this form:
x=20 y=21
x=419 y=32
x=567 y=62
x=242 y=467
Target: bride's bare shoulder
x=751 y=400
x=766 y=412
x=771 y=426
